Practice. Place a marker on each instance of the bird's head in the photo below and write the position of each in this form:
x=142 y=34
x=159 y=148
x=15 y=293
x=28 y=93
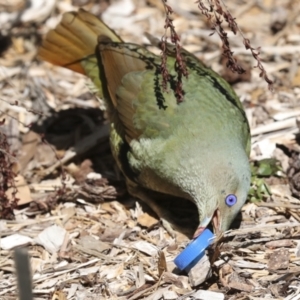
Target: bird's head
x=223 y=193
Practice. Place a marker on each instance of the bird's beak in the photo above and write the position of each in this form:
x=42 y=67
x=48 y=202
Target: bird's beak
x=216 y=222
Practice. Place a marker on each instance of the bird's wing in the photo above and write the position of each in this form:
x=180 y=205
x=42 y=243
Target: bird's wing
x=132 y=80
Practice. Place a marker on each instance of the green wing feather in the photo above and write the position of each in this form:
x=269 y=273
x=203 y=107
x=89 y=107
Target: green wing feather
x=133 y=89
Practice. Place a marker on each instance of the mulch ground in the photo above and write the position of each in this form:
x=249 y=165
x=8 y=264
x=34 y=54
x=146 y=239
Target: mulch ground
x=86 y=237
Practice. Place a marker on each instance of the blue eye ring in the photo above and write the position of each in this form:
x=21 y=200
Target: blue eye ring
x=230 y=200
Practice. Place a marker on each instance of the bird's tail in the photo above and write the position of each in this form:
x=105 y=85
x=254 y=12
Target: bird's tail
x=74 y=40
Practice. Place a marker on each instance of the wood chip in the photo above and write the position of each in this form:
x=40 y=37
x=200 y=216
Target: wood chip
x=14 y=240
x=145 y=247
x=280 y=244
x=200 y=272
x=279 y=259
x=23 y=191
x=170 y=295
x=146 y=220
x=208 y=295
x=249 y=265
x=51 y=238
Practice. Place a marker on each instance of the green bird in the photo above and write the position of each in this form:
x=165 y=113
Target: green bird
x=195 y=150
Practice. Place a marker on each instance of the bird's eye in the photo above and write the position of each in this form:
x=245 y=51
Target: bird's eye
x=230 y=200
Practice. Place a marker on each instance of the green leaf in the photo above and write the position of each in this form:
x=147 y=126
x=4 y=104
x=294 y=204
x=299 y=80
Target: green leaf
x=259 y=190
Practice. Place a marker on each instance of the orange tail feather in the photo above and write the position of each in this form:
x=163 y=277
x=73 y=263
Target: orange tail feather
x=74 y=39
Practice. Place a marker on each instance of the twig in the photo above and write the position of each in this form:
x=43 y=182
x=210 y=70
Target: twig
x=180 y=66
x=215 y=14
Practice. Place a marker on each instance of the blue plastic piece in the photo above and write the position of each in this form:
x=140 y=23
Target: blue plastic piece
x=194 y=250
